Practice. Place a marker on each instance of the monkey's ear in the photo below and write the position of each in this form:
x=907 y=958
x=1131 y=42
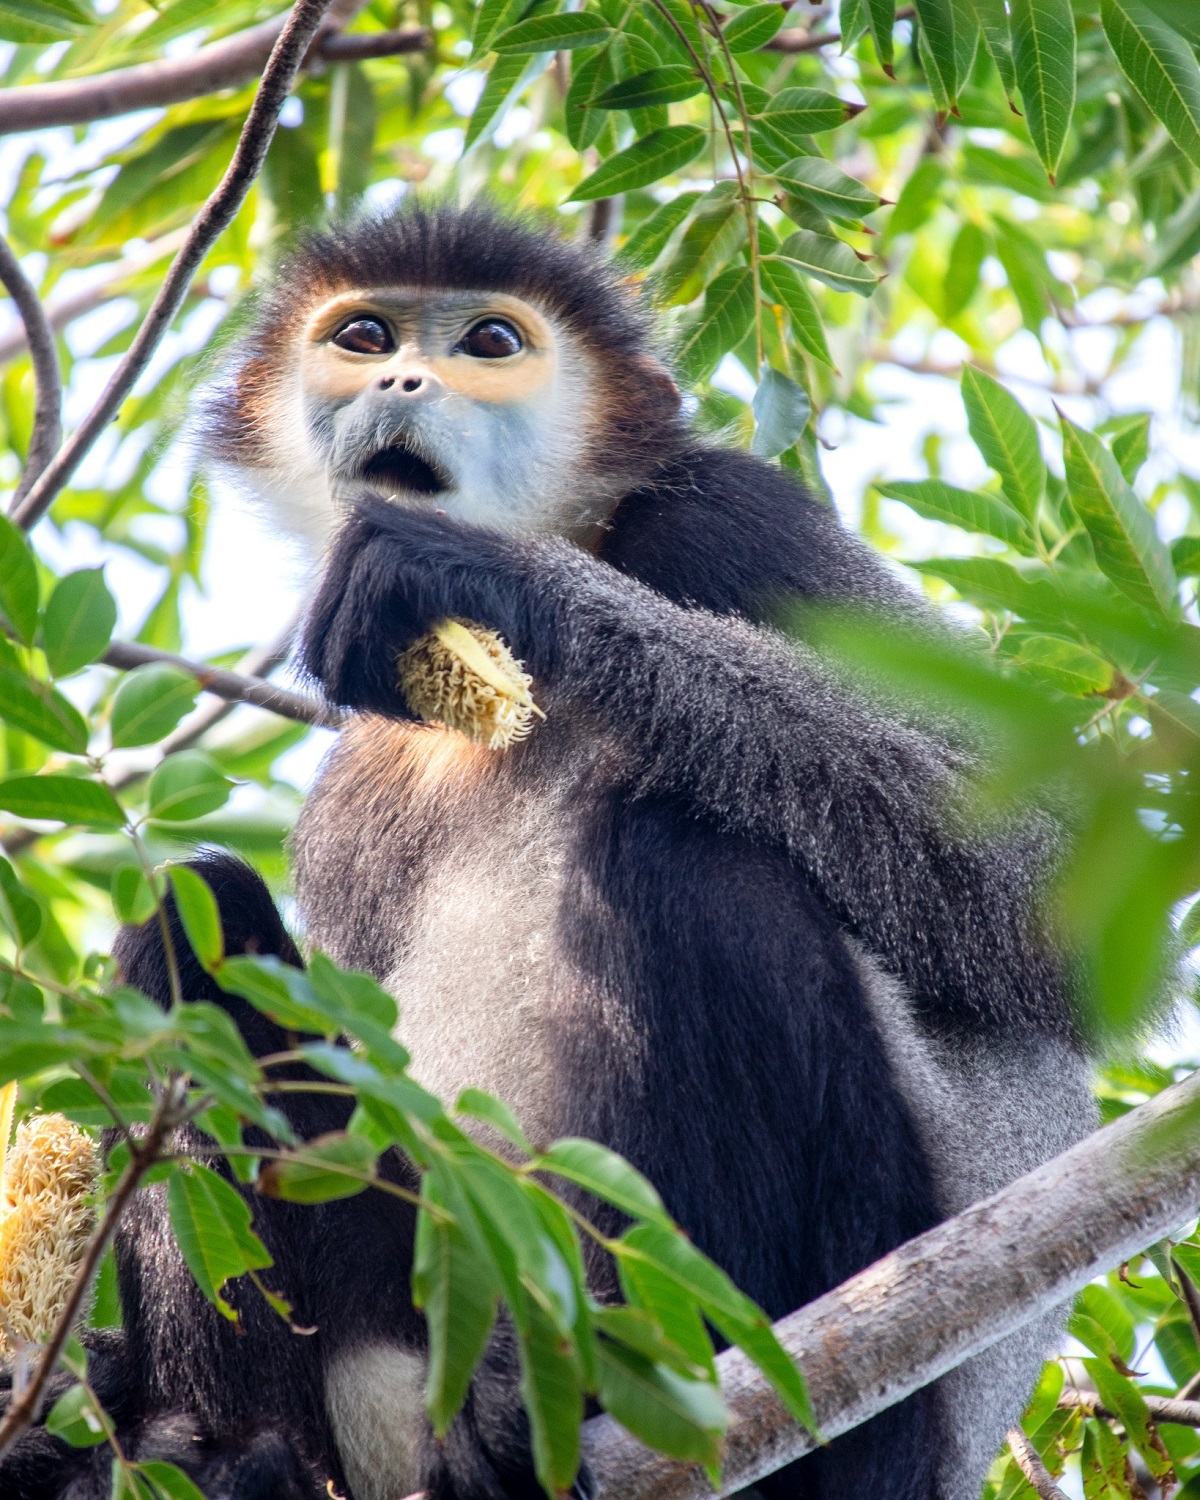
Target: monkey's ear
x=659 y=384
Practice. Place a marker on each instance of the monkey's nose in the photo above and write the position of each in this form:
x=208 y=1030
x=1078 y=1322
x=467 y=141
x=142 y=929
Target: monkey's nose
x=410 y=385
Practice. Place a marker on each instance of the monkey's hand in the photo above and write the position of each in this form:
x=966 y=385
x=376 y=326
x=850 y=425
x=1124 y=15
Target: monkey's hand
x=392 y=575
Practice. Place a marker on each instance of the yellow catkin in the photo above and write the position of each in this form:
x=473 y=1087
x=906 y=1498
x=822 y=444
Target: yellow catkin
x=466 y=678
x=47 y=1215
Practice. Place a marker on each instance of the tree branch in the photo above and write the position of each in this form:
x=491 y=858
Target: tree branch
x=126 y=655
x=1029 y=1461
x=286 y=56
x=1161 y=1408
x=807 y=41
x=47 y=377
x=941 y=1298
x=226 y=64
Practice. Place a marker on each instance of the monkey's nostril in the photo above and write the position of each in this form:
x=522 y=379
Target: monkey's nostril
x=387 y=383
x=413 y=383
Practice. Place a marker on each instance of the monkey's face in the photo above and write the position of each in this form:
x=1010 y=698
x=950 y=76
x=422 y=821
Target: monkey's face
x=472 y=403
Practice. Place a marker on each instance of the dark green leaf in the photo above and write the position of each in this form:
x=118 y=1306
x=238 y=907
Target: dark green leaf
x=494 y=1112
x=607 y=1175
x=1043 y=48
x=18 y=579
x=506 y=75
x=39 y=710
x=828 y=260
x=78 y=622
x=149 y=703
x=75 y=1420
x=649 y=239
x=781 y=413
x=754 y=26
x=674 y=1415
x=653 y=157
x=455 y=1289
x=827 y=187
x=657 y=86
x=556 y=33
x=1185 y=555
x=1181 y=15
x=19 y=911
x=168 y=1482
x=186 y=786
x=783 y=284
x=936 y=19
x=992 y=19
x=132 y=895
x=727 y=315
x=61 y=799
x=317 y=1179
x=716 y=233
x=211 y=1223
x=1161 y=66
x=881 y=18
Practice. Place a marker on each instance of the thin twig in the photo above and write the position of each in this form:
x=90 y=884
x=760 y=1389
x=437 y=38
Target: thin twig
x=229 y=63
x=1173 y=1409
x=212 y=220
x=1029 y=1461
x=47 y=377
x=143 y=1155
x=229 y=685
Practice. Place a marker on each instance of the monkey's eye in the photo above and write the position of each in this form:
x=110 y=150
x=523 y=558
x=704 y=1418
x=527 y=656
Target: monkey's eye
x=365 y=336
x=494 y=338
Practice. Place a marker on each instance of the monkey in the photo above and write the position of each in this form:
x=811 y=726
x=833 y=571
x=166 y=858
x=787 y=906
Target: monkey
x=717 y=911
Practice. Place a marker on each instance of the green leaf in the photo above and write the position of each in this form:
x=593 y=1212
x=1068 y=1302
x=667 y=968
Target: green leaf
x=42 y=21
x=19 y=911
x=827 y=187
x=649 y=239
x=132 y=895
x=492 y=1111
x=556 y=33
x=505 y=77
x=61 y=799
x=1121 y=1396
x=918 y=197
x=1127 y=546
x=936 y=18
x=1178 y=239
x=211 y=1223
x=1185 y=555
x=18 y=578
x=753 y=27
x=881 y=18
x=1180 y=15
x=673 y=1415
x=967 y=255
x=1130 y=442
x=1043 y=46
x=973 y=510
x=552 y=1393
x=149 y=702
x=792 y=115
x=1161 y=66
x=37 y=709
x=726 y=318
x=716 y=233
x=653 y=157
x=657 y=86
x=782 y=284
x=168 y=1482
x=456 y=1290
x=828 y=260
x=78 y=622
x=781 y=413
x=198 y=912
x=75 y=1419
x=1007 y=436
x=320 y=1181
x=992 y=19
x=607 y=1175
x=1064 y=665
x=1102 y=1464
x=186 y=786
x=494 y=16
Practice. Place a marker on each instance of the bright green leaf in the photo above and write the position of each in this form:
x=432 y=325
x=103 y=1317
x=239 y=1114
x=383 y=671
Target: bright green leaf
x=653 y=157
x=1043 y=48
x=657 y=86
x=61 y=799
x=727 y=315
x=18 y=579
x=973 y=510
x=827 y=187
x=1161 y=66
x=1007 y=436
x=186 y=786
x=828 y=260
x=556 y=33
x=753 y=27
x=78 y=622
x=197 y=908
x=149 y=703
x=211 y=1223
x=75 y=1420
x=781 y=413
x=42 y=711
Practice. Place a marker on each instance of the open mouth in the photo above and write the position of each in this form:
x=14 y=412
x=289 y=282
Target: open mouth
x=399 y=468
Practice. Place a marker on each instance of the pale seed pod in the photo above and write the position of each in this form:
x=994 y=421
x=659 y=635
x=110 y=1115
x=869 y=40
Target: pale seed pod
x=466 y=678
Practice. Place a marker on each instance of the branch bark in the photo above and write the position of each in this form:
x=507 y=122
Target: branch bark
x=47 y=377
x=1173 y=1409
x=226 y=64
x=942 y=1297
x=286 y=56
x=799 y=40
x=1030 y=1463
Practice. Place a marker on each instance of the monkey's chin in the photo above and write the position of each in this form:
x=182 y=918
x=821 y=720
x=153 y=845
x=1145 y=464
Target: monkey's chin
x=399 y=469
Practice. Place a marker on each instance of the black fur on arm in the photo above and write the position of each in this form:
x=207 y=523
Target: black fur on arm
x=743 y=728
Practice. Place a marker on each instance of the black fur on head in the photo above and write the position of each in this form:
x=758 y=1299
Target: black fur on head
x=426 y=243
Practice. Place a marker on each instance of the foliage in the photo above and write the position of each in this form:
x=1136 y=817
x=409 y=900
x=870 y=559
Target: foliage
x=975 y=186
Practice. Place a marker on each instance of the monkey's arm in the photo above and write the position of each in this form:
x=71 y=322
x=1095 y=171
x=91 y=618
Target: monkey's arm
x=736 y=724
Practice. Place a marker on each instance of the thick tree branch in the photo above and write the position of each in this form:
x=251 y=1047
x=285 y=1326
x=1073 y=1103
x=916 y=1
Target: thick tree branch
x=800 y=40
x=942 y=1297
x=1030 y=1463
x=1171 y=1409
x=226 y=64
x=47 y=377
x=212 y=220
x=231 y=686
